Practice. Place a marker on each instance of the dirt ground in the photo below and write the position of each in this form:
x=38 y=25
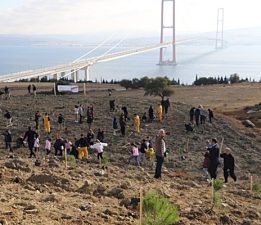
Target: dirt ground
x=85 y=194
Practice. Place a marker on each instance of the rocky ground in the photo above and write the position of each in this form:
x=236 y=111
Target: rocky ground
x=84 y=194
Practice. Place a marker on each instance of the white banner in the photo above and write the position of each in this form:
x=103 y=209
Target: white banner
x=68 y=88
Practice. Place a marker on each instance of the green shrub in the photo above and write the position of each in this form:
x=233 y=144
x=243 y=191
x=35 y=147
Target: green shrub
x=70 y=158
x=218 y=184
x=256 y=187
x=158 y=210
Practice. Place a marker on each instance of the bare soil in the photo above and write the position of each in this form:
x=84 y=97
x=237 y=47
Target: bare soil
x=82 y=194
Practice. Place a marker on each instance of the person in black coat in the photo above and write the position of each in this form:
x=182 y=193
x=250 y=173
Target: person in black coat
x=122 y=124
x=197 y=115
x=191 y=114
x=151 y=114
x=8 y=140
x=213 y=149
x=30 y=136
x=229 y=164
x=210 y=115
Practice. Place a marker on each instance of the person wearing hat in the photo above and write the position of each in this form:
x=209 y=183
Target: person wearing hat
x=213 y=149
x=229 y=164
x=160 y=149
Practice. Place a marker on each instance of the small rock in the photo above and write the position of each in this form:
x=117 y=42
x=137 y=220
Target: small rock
x=224 y=219
x=31 y=211
x=126 y=185
x=252 y=214
x=87 y=206
x=3 y=222
x=125 y=202
x=246 y=222
x=18 y=180
x=66 y=217
x=116 y=192
x=249 y=123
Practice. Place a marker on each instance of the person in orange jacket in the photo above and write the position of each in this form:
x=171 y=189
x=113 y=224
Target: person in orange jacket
x=47 y=123
x=137 y=122
x=160 y=112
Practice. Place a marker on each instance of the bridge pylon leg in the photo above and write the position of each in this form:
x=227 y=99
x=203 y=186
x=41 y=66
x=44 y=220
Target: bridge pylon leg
x=163 y=27
x=87 y=73
x=56 y=76
x=73 y=76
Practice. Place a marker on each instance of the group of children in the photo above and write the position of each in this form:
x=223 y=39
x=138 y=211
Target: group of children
x=142 y=154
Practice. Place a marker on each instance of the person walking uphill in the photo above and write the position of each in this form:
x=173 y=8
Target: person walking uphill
x=213 y=158
x=36 y=119
x=160 y=112
x=160 y=149
x=30 y=135
x=47 y=123
x=137 y=122
x=210 y=115
x=229 y=164
x=98 y=146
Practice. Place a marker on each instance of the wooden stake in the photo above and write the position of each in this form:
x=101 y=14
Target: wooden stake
x=84 y=89
x=65 y=157
x=54 y=89
x=221 y=145
x=141 y=205
x=251 y=182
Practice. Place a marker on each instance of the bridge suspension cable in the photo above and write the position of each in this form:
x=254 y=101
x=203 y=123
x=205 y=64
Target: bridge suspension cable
x=96 y=58
x=98 y=46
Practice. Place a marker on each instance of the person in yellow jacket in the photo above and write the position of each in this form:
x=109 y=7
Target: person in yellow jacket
x=47 y=123
x=137 y=122
x=160 y=112
x=82 y=148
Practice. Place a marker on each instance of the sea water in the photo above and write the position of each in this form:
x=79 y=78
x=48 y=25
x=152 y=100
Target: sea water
x=197 y=58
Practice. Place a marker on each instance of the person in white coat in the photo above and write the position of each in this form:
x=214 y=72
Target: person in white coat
x=98 y=146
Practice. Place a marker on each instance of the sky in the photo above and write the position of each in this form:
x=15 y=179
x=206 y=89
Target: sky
x=135 y=17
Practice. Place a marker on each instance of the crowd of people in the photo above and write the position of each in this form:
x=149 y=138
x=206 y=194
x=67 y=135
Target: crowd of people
x=143 y=153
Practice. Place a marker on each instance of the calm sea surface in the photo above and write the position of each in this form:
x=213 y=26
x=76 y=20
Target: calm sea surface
x=192 y=59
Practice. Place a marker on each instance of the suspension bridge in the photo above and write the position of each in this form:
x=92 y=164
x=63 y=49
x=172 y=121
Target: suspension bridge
x=73 y=68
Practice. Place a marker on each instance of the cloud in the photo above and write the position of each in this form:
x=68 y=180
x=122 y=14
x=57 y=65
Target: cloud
x=134 y=16
x=80 y=16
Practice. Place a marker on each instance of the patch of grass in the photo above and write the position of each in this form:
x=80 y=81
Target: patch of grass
x=256 y=187
x=105 y=160
x=218 y=184
x=158 y=210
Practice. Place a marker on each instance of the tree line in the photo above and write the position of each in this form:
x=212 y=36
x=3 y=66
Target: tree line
x=234 y=78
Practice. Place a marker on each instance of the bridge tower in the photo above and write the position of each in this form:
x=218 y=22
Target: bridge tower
x=220 y=27
x=163 y=27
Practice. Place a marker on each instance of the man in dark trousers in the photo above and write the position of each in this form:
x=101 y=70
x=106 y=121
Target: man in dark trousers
x=37 y=116
x=122 y=124
x=8 y=140
x=30 y=135
x=191 y=114
x=210 y=115
x=29 y=89
x=213 y=149
x=151 y=114
x=160 y=149
x=197 y=115
x=229 y=164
